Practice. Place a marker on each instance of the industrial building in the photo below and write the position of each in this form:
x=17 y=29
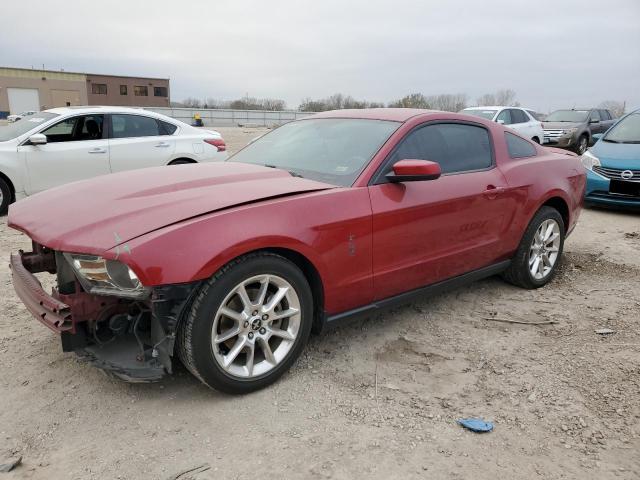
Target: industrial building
x=23 y=89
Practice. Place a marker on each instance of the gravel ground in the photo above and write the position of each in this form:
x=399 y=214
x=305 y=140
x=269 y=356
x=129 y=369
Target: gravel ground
x=375 y=399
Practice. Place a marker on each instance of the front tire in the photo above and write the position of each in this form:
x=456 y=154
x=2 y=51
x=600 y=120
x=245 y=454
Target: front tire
x=540 y=251
x=248 y=324
x=582 y=145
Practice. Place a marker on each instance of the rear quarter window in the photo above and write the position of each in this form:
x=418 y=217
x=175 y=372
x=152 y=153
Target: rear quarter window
x=519 y=147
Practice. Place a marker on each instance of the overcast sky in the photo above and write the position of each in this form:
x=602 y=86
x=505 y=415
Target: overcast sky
x=552 y=53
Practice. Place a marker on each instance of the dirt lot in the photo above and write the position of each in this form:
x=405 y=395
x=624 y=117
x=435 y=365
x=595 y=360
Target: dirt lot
x=375 y=399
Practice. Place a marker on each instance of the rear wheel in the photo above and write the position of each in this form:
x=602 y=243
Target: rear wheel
x=248 y=324
x=540 y=250
x=5 y=196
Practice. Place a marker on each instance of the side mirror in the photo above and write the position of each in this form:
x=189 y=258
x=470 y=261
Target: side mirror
x=38 y=139
x=596 y=136
x=501 y=122
x=414 y=171
x=594 y=120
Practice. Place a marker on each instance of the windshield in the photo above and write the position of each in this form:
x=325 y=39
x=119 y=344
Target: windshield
x=576 y=116
x=626 y=130
x=329 y=150
x=484 y=113
x=13 y=130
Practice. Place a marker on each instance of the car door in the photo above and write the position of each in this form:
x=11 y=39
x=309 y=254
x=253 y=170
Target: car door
x=606 y=119
x=138 y=141
x=428 y=231
x=75 y=150
x=595 y=122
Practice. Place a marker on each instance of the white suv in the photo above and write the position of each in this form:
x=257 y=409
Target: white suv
x=63 y=145
x=522 y=120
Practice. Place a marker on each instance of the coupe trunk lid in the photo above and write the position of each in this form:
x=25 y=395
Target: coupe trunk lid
x=95 y=215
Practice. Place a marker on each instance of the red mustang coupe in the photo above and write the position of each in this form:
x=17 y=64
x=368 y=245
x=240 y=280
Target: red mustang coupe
x=230 y=265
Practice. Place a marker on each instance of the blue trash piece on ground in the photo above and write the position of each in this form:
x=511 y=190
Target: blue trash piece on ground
x=476 y=424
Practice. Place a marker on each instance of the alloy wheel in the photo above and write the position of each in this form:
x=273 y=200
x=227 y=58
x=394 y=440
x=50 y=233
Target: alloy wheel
x=256 y=326
x=544 y=249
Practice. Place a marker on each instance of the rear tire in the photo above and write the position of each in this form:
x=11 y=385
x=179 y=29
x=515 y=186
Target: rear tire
x=5 y=196
x=538 y=255
x=235 y=339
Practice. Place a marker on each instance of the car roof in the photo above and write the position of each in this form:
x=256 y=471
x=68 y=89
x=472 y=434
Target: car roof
x=392 y=114
x=94 y=108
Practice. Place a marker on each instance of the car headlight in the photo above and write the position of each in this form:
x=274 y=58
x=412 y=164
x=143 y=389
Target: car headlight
x=570 y=131
x=589 y=160
x=101 y=276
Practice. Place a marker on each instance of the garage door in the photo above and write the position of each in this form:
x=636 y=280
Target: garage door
x=23 y=99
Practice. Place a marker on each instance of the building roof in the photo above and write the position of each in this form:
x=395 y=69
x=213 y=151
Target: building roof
x=81 y=73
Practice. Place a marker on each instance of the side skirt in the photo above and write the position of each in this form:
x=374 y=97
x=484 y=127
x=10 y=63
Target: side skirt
x=422 y=292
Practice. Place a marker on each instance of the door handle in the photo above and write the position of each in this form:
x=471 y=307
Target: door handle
x=492 y=191
x=98 y=150
x=162 y=145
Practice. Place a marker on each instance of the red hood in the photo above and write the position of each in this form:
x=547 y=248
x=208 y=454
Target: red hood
x=95 y=215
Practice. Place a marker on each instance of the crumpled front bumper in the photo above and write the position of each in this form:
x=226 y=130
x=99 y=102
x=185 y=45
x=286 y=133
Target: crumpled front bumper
x=51 y=312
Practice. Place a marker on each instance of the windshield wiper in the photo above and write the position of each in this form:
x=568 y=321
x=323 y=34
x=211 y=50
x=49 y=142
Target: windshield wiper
x=610 y=141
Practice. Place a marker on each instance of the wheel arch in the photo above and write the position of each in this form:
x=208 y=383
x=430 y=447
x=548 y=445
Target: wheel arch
x=309 y=269
x=182 y=158
x=561 y=205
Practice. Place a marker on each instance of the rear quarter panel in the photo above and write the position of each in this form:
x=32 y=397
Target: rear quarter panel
x=533 y=181
x=331 y=228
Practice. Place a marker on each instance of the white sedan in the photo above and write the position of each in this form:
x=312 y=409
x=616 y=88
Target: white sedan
x=522 y=120
x=19 y=116
x=63 y=145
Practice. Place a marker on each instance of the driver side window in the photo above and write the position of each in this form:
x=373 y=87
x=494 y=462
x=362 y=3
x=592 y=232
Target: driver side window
x=84 y=127
x=456 y=147
x=505 y=116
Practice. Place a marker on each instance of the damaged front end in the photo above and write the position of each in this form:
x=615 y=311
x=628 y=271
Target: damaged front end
x=102 y=312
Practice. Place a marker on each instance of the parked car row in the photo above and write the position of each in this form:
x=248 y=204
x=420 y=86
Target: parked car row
x=64 y=145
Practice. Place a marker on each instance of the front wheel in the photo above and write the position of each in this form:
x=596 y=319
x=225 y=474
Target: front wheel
x=540 y=250
x=5 y=196
x=582 y=145
x=248 y=324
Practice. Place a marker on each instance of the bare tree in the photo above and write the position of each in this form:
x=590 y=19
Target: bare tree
x=191 y=102
x=616 y=108
x=486 y=100
x=448 y=102
x=337 y=101
x=413 y=100
x=505 y=97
